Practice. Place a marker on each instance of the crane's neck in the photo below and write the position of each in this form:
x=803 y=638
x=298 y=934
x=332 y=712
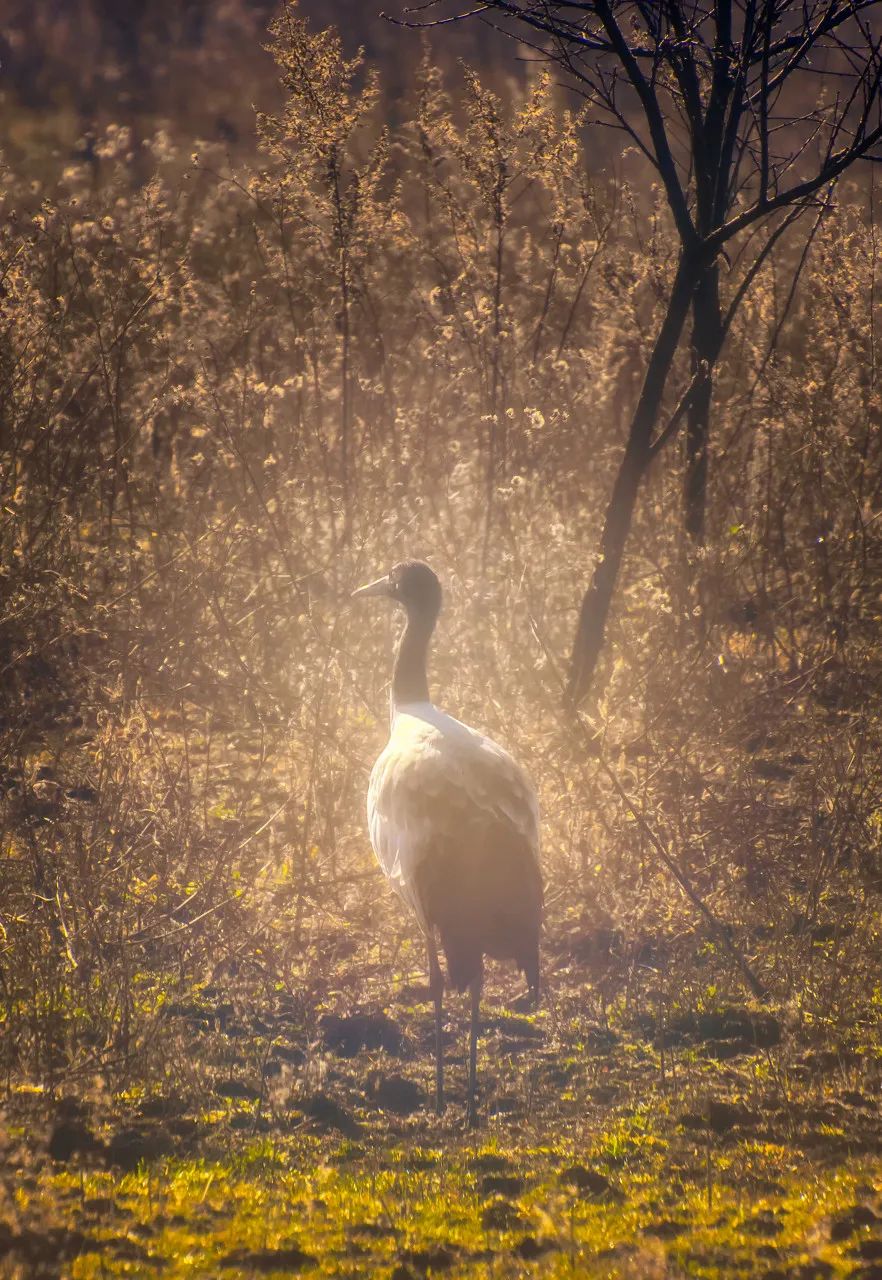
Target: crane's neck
x=409 y=680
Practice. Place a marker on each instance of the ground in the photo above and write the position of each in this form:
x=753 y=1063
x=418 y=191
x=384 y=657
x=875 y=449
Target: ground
x=725 y=1143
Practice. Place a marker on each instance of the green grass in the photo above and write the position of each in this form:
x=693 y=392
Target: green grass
x=596 y=1156
x=418 y=1195
x=353 y=1211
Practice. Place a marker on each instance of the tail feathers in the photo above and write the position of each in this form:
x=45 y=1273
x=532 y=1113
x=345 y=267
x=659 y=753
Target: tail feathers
x=465 y=961
x=484 y=901
x=464 y=950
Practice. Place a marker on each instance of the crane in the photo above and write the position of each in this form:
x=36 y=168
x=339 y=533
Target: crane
x=454 y=823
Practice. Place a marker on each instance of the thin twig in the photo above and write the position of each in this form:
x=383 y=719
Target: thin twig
x=719 y=930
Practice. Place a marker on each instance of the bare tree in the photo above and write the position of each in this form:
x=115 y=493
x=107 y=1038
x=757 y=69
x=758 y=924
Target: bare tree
x=748 y=111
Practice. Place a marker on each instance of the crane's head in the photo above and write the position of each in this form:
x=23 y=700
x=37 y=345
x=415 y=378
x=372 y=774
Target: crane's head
x=412 y=584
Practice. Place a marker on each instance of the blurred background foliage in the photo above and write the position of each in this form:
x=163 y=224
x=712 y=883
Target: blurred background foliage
x=249 y=360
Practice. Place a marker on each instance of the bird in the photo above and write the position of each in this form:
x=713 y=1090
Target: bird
x=454 y=823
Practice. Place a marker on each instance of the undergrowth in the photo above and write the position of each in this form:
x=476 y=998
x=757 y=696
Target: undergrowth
x=232 y=393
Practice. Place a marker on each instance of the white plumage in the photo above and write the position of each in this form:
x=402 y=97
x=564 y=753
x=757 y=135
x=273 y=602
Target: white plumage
x=430 y=756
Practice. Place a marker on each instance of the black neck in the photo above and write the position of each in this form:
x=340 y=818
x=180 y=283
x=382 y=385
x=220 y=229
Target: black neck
x=409 y=681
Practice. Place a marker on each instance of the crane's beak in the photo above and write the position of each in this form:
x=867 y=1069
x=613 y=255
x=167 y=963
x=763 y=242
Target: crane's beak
x=382 y=587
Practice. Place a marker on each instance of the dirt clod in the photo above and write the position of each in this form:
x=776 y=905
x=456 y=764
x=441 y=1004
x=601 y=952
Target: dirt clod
x=504 y=1184
x=130 y=1147
x=72 y=1138
x=349 y=1035
x=846 y=1224
x=437 y=1258
x=286 y=1258
x=327 y=1114
x=501 y=1215
x=588 y=1182
x=397 y=1094
x=529 y=1248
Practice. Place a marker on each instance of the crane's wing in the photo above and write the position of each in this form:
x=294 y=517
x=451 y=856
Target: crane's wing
x=436 y=781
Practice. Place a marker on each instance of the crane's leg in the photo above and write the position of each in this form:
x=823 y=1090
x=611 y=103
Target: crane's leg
x=475 y=993
x=436 y=986
x=532 y=974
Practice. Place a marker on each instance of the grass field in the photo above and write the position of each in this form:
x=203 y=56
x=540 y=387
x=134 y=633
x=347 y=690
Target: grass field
x=721 y=1145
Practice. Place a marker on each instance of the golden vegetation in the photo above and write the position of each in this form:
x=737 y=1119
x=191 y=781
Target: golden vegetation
x=227 y=395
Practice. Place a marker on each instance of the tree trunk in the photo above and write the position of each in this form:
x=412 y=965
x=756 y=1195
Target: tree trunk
x=707 y=335
x=619 y=514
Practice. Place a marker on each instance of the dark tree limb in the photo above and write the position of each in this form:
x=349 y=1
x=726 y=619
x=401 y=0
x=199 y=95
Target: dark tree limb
x=707 y=339
x=733 y=78
x=638 y=454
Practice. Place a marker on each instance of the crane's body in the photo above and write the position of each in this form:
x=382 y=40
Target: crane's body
x=454 y=822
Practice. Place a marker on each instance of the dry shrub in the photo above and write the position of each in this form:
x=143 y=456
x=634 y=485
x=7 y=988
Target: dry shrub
x=231 y=395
